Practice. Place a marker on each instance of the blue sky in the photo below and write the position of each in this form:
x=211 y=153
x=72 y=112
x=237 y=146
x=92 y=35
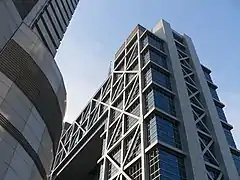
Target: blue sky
x=99 y=27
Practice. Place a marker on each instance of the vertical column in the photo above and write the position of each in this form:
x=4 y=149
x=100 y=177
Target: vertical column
x=191 y=144
x=222 y=149
x=142 y=128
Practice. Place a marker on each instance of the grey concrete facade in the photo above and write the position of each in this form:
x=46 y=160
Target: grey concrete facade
x=157 y=116
x=32 y=91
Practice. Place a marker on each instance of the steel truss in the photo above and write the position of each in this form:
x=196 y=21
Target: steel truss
x=204 y=134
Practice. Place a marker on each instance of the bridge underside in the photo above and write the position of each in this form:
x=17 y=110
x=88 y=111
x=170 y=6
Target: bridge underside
x=84 y=165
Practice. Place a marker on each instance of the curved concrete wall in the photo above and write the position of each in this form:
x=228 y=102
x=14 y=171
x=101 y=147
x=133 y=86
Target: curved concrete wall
x=32 y=100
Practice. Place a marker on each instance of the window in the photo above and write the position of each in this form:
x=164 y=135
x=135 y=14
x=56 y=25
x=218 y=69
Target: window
x=221 y=113
x=147 y=77
x=178 y=38
x=149 y=100
x=24 y=7
x=155 y=42
x=236 y=159
x=135 y=108
x=160 y=128
x=135 y=171
x=214 y=173
x=214 y=93
x=207 y=76
x=164 y=165
x=158 y=59
x=180 y=46
x=161 y=78
x=229 y=137
x=164 y=101
x=160 y=99
x=154 y=57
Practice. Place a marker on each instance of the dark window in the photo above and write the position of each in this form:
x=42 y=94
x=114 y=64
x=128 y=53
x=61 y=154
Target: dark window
x=135 y=171
x=146 y=57
x=164 y=101
x=161 y=78
x=160 y=128
x=214 y=173
x=155 y=42
x=178 y=38
x=214 y=93
x=236 y=160
x=149 y=100
x=207 y=76
x=161 y=99
x=24 y=7
x=221 y=113
x=166 y=166
x=158 y=59
x=180 y=46
x=229 y=137
x=155 y=57
x=147 y=76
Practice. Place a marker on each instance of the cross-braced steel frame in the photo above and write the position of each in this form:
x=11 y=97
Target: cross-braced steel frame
x=118 y=105
x=201 y=119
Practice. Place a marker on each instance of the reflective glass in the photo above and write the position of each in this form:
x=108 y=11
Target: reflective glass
x=229 y=137
x=160 y=128
x=236 y=160
x=161 y=78
x=221 y=113
x=164 y=101
x=164 y=165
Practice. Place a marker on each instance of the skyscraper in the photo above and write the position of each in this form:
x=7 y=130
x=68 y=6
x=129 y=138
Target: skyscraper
x=157 y=116
x=32 y=92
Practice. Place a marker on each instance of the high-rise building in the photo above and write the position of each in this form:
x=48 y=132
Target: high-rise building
x=157 y=116
x=32 y=91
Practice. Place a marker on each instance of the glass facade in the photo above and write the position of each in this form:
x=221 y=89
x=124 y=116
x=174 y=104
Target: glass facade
x=153 y=41
x=236 y=159
x=24 y=7
x=161 y=78
x=161 y=100
x=214 y=93
x=164 y=101
x=229 y=137
x=221 y=113
x=155 y=57
x=207 y=75
x=162 y=129
x=165 y=166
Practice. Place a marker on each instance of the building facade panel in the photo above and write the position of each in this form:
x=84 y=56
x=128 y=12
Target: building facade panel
x=32 y=92
x=9 y=21
x=56 y=21
x=51 y=29
x=59 y=14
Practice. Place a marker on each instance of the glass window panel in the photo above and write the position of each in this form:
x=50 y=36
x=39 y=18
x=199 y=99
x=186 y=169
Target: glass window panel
x=161 y=78
x=221 y=113
x=164 y=101
x=147 y=77
x=158 y=59
x=236 y=159
x=229 y=137
x=164 y=130
x=149 y=100
x=156 y=43
x=207 y=76
x=214 y=93
x=165 y=165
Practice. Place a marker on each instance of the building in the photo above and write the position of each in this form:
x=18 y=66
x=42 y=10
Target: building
x=32 y=91
x=157 y=116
